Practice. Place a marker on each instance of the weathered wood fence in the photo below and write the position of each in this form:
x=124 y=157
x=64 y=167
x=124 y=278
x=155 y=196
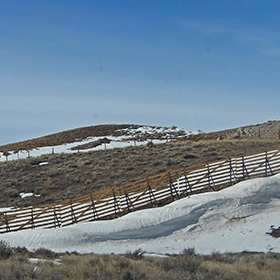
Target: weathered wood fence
x=149 y=192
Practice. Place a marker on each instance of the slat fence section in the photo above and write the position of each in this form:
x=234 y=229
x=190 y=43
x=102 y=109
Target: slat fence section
x=153 y=191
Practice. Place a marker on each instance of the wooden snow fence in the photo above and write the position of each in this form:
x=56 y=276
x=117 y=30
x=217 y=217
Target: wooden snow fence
x=153 y=191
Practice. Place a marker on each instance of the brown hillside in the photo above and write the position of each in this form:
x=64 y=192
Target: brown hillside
x=268 y=130
x=71 y=175
x=68 y=136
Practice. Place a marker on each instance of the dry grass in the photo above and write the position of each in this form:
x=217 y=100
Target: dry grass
x=133 y=265
x=71 y=175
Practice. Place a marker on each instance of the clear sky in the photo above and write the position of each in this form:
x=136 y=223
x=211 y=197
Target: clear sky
x=207 y=65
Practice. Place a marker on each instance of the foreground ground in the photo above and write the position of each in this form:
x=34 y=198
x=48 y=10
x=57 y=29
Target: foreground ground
x=44 y=264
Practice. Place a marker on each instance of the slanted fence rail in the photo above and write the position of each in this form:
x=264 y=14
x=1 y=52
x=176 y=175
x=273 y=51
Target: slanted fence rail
x=149 y=192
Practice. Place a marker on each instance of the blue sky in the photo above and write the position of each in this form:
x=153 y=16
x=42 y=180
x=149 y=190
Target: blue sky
x=207 y=65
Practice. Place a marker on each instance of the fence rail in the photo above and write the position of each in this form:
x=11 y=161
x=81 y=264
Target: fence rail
x=149 y=192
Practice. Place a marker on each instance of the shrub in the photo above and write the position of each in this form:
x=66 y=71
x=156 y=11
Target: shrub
x=42 y=252
x=217 y=256
x=188 y=252
x=12 y=193
x=136 y=255
x=21 y=250
x=5 y=250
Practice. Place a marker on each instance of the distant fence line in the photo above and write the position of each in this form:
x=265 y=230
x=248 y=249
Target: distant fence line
x=153 y=191
x=30 y=153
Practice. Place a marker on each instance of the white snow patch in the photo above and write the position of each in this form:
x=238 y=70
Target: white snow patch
x=24 y=194
x=37 y=261
x=28 y=194
x=43 y=163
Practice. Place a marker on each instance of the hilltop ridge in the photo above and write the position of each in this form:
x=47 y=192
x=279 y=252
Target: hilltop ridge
x=79 y=134
x=267 y=130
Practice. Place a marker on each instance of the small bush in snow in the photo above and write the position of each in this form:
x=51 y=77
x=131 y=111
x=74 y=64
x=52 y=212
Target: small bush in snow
x=42 y=252
x=5 y=250
x=135 y=255
x=189 y=251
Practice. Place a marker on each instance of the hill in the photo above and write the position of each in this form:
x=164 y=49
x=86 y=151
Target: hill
x=130 y=131
x=268 y=130
x=49 y=177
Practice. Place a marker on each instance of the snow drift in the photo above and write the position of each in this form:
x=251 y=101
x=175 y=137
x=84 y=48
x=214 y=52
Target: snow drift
x=232 y=220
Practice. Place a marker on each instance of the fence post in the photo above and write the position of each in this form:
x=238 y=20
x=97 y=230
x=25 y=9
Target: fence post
x=7 y=223
x=116 y=204
x=187 y=183
x=265 y=168
x=74 y=221
x=32 y=219
x=267 y=164
x=94 y=211
x=151 y=194
x=128 y=201
x=230 y=171
x=210 y=178
x=172 y=187
x=244 y=169
x=243 y=165
x=55 y=218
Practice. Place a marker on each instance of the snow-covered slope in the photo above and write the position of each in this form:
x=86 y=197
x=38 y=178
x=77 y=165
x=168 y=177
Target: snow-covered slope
x=232 y=220
x=128 y=137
